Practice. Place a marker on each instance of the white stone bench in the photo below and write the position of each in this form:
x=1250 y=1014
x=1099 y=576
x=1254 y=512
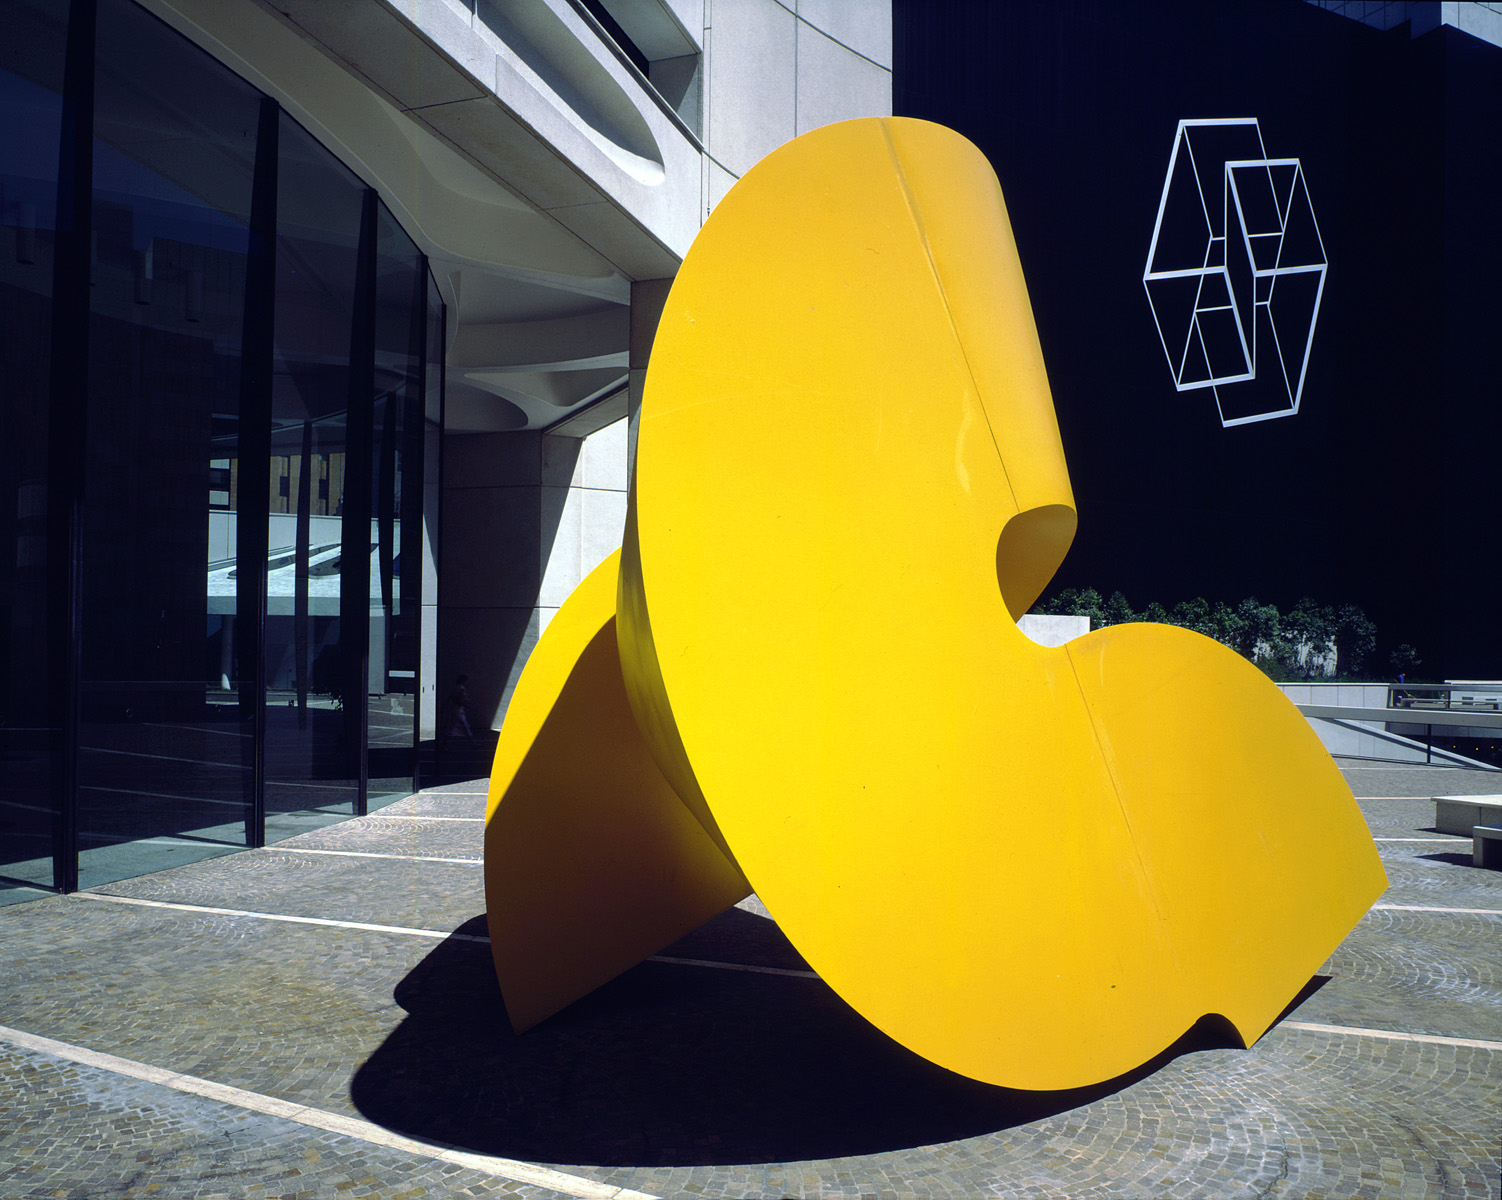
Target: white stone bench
x=1486 y=849
x=1461 y=814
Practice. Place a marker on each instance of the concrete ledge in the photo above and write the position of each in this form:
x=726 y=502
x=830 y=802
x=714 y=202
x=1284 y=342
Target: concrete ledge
x=1487 y=848
x=1461 y=814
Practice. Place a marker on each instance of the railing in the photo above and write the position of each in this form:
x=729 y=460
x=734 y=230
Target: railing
x=1447 y=714
x=1428 y=696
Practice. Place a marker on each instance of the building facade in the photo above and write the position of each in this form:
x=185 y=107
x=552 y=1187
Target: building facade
x=323 y=323
x=1256 y=247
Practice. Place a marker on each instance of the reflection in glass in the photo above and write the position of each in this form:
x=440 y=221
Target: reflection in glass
x=312 y=775
x=400 y=332
x=242 y=447
x=165 y=769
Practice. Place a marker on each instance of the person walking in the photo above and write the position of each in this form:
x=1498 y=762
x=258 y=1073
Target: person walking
x=456 y=715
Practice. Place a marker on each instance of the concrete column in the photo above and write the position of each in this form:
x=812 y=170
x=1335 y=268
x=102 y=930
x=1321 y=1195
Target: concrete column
x=647 y=298
x=491 y=570
x=583 y=510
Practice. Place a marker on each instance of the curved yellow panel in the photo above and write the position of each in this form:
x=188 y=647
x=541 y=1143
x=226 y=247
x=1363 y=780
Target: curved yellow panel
x=1034 y=866
x=591 y=861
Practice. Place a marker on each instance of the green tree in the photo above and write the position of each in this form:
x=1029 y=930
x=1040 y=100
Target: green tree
x=1311 y=631
x=1228 y=627
x=1262 y=629
x=1156 y=614
x=1080 y=602
x=1193 y=614
x=1355 y=636
x=1309 y=639
x=1405 y=659
x=1118 y=611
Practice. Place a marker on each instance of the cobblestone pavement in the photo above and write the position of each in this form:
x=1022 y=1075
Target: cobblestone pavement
x=319 y=1019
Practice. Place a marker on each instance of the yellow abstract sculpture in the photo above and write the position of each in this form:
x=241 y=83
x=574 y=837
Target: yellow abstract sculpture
x=1034 y=866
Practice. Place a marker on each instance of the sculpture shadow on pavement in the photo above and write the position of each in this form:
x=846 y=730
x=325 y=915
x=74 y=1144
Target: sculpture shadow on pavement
x=676 y=1065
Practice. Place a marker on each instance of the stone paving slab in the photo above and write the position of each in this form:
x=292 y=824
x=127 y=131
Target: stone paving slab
x=395 y=833
x=438 y=802
x=690 y=1081
x=62 y=1122
x=1386 y=779
x=1399 y=816
x=423 y=895
x=274 y=1008
x=1440 y=876
x=1431 y=973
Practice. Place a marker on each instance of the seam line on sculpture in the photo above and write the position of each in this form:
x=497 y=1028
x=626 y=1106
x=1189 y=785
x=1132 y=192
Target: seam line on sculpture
x=1108 y=760
x=1485 y=912
x=1393 y=1035
x=332 y=1122
x=473 y=862
x=909 y=199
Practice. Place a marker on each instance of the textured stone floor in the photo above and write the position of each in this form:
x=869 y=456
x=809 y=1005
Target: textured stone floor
x=319 y=1019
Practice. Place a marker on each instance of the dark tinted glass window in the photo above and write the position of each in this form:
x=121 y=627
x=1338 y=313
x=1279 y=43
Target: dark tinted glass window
x=396 y=570
x=312 y=732
x=31 y=80
x=165 y=747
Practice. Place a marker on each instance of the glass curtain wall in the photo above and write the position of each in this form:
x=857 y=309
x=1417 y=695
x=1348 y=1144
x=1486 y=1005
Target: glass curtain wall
x=215 y=344
x=400 y=349
x=312 y=750
x=31 y=85
x=422 y=527
x=166 y=748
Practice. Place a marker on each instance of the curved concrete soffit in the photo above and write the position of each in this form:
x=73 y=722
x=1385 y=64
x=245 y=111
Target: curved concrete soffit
x=452 y=208
x=472 y=410
x=537 y=43
x=438 y=192
x=555 y=389
x=579 y=342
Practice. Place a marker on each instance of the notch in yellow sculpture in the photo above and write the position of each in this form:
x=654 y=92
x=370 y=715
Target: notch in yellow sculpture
x=1034 y=866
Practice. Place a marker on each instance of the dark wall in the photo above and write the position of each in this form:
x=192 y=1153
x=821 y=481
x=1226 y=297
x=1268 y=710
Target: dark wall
x=1374 y=492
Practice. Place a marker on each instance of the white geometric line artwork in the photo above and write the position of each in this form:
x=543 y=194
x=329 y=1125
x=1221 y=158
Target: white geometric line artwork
x=1236 y=270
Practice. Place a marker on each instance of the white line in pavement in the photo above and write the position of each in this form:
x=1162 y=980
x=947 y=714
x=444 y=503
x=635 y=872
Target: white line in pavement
x=727 y=966
x=435 y=934
x=1485 y=912
x=475 y=862
x=316 y=1118
x=391 y=816
x=1456 y=840
x=1401 y=766
x=1354 y=1031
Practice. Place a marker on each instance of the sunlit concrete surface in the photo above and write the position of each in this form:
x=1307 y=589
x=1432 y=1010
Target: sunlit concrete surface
x=320 y=1018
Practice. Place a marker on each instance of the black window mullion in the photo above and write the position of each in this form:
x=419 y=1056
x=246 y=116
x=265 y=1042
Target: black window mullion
x=434 y=522
x=68 y=404
x=354 y=585
x=414 y=427
x=253 y=503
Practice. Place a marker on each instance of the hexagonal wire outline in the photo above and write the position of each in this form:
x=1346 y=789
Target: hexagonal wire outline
x=1181 y=139
x=1273 y=273
x=1229 y=190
